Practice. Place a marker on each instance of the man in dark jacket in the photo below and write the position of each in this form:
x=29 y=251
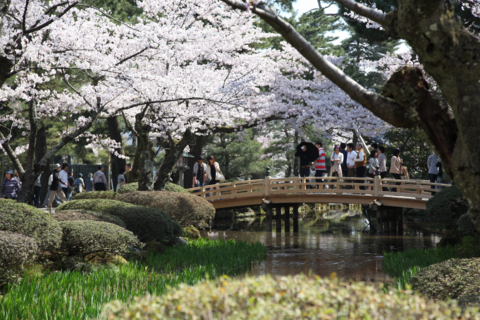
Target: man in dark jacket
x=304 y=162
x=56 y=188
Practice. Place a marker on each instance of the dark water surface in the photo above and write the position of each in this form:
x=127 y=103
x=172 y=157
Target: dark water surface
x=323 y=246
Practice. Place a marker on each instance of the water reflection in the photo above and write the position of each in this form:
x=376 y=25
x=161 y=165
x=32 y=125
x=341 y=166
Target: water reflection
x=323 y=246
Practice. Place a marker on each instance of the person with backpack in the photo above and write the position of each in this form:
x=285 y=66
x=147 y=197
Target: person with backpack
x=199 y=173
x=79 y=184
x=56 y=188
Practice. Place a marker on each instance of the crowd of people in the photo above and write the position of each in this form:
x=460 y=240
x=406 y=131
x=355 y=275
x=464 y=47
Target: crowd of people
x=349 y=160
x=62 y=184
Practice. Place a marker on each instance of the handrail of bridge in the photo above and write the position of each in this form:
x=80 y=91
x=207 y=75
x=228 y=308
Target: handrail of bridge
x=417 y=189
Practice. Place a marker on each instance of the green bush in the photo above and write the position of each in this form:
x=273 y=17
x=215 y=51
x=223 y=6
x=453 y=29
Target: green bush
x=81 y=238
x=451 y=279
x=466 y=226
x=191 y=232
x=95 y=195
x=74 y=215
x=446 y=207
x=148 y=224
x=132 y=187
x=298 y=297
x=186 y=209
x=15 y=251
x=31 y=222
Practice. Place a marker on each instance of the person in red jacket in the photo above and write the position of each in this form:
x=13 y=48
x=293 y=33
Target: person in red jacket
x=320 y=167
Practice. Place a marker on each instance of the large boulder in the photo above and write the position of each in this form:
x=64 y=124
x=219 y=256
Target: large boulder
x=187 y=209
x=298 y=297
x=446 y=207
x=31 y=222
x=132 y=187
x=148 y=224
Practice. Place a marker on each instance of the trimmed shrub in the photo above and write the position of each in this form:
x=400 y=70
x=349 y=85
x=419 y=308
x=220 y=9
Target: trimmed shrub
x=95 y=195
x=446 y=207
x=466 y=226
x=15 y=251
x=451 y=279
x=31 y=222
x=148 y=224
x=191 y=232
x=81 y=238
x=298 y=297
x=74 y=215
x=186 y=209
x=132 y=187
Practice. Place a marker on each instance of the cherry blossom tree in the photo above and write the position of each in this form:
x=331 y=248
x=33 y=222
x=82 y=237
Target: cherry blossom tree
x=448 y=52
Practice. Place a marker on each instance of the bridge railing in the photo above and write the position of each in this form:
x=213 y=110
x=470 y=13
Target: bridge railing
x=418 y=189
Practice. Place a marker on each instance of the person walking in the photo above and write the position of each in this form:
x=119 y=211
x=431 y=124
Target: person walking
x=345 y=156
x=320 y=167
x=395 y=167
x=129 y=178
x=10 y=186
x=121 y=179
x=199 y=172
x=440 y=174
x=304 y=162
x=337 y=161
x=382 y=164
x=433 y=169
x=99 y=181
x=47 y=197
x=373 y=164
x=360 y=164
x=351 y=156
x=89 y=183
x=79 y=184
x=37 y=187
x=71 y=182
x=56 y=188
x=63 y=174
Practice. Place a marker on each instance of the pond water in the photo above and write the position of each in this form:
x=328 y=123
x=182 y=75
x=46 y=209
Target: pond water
x=324 y=245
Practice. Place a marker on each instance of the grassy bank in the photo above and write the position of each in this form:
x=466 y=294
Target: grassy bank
x=76 y=295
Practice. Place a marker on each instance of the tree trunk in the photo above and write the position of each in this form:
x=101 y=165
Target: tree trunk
x=173 y=151
x=116 y=134
x=146 y=155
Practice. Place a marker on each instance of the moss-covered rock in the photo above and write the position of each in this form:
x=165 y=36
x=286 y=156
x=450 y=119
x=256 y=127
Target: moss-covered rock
x=298 y=297
x=148 y=224
x=31 y=222
x=132 y=187
x=451 y=279
x=73 y=215
x=446 y=207
x=95 y=195
x=187 y=209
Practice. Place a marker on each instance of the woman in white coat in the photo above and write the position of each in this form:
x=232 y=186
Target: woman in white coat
x=336 y=160
x=213 y=170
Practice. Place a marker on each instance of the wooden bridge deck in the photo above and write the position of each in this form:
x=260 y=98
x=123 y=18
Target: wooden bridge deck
x=410 y=194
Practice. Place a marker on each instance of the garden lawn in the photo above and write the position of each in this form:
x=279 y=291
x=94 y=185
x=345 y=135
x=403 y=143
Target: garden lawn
x=77 y=295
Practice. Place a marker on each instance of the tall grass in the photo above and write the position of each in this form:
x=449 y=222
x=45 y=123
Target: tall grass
x=403 y=265
x=76 y=295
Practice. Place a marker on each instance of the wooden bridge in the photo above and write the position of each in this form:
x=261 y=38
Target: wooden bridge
x=388 y=197
x=409 y=194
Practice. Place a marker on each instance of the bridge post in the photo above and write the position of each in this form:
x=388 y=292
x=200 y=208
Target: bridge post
x=295 y=218
x=399 y=218
x=267 y=185
x=278 y=218
x=380 y=220
x=269 y=217
x=376 y=186
x=287 y=218
x=387 y=213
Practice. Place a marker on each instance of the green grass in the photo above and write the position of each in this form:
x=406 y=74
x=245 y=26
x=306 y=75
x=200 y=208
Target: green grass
x=76 y=295
x=403 y=265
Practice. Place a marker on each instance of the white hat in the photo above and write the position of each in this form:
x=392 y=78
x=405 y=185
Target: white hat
x=57 y=165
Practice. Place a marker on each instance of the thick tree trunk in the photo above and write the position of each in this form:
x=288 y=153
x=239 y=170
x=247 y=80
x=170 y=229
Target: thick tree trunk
x=116 y=134
x=146 y=155
x=173 y=151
